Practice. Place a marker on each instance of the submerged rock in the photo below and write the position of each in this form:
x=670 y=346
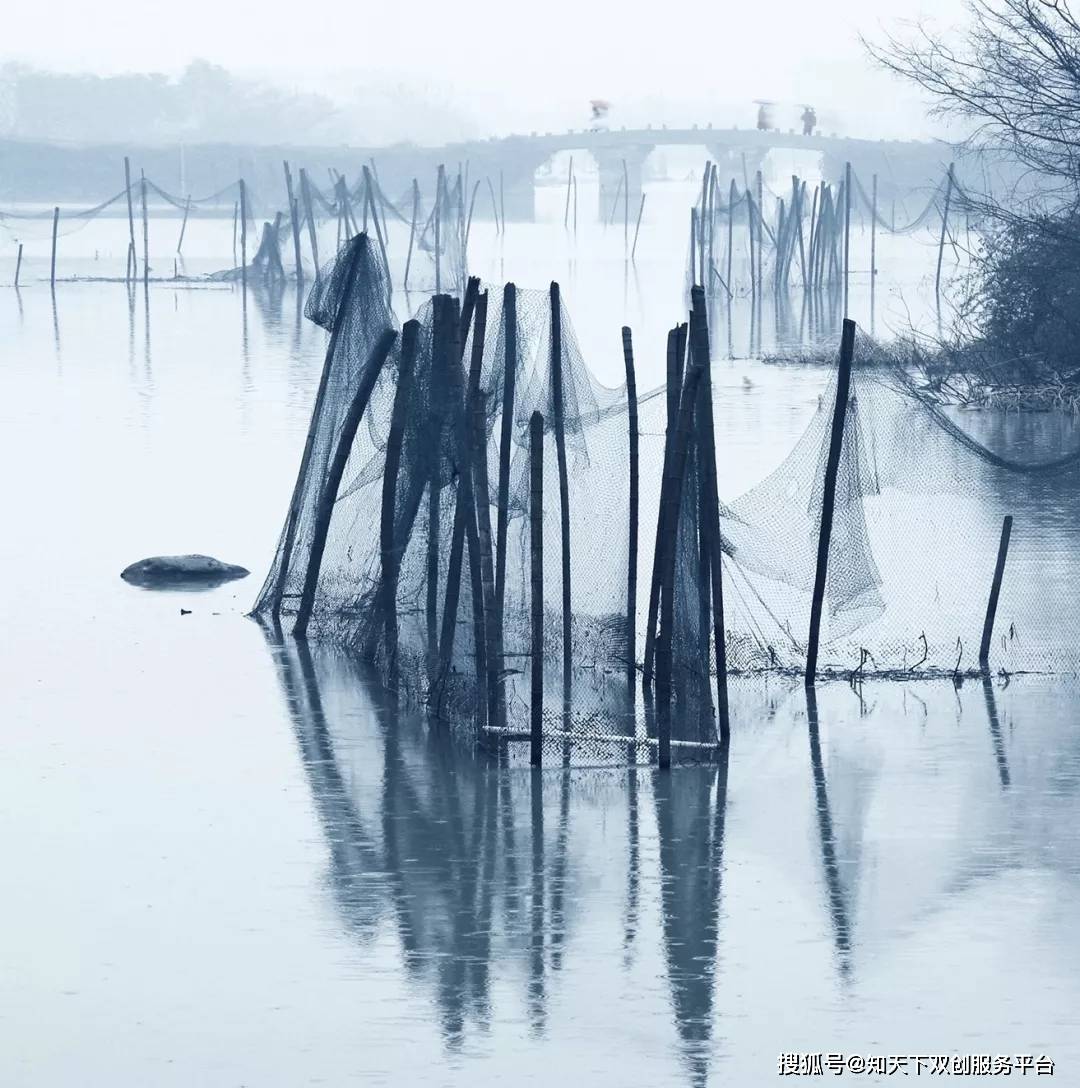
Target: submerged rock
x=181 y=572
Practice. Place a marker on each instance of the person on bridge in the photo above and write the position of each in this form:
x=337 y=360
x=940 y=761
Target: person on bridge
x=809 y=120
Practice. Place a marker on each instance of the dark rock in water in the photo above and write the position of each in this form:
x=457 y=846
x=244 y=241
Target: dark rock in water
x=181 y=572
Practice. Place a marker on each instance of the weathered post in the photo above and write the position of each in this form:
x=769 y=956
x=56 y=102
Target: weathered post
x=995 y=591
x=873 y=232
x=52 y=265
x=18 y=264
x=632 y=534
x=847 y=233
x=145 y=230
x=325 y=509
x=536 y=581
x=243 y=234
x=637 y=227
x=412 y=230
x=183 y=226
x=305 y=192
x=828 y=495
x=732 y=199
x=569 y=187
x=559 y=426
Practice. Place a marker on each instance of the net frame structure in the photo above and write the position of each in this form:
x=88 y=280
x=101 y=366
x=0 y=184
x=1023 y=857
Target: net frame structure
x=474 y=516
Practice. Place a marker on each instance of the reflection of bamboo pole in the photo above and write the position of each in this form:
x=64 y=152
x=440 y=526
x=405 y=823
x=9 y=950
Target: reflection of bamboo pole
x=336 y=469
x=632 y=546
x=536 y=580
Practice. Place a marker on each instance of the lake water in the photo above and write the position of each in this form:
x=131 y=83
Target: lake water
x=228 y=862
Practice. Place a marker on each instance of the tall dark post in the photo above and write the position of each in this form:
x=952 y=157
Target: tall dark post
x=325 y=510
x=632 y=534
x=52 y=265
x=444 y=322
x=558 y=405
x=828 y=495
x=132 y=271
x=536 y=580
x=995 y=591
x=506 y=437
x=294 y=209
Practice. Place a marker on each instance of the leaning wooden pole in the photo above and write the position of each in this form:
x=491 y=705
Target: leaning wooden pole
x=444 y=322
x=637 y=227
x=412 y=230
x=847 y=234
x=995 y=592
x=18 y=264
x=52 y=263
x=941 y=241
x=336 y=469
x=828 y=495
x=558 y=405
x=305 y=192
x=536 y=582
x=183 y=227
x=632 y=530
x=293 y=518
x=145 y=231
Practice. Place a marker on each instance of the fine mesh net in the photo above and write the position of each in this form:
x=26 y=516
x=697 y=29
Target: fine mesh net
x=425 y=566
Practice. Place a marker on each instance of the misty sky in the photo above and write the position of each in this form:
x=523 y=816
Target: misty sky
x=534 y=70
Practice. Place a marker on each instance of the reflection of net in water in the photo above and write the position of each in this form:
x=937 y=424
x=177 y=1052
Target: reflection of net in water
x=918 y=513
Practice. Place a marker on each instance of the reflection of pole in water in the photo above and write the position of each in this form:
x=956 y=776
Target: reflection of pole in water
x=995 y=730
x=690 y=832
x=838 y=911
x=537 y=995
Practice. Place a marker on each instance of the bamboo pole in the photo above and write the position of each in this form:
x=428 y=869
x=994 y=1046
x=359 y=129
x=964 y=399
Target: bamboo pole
x=440 y=186
x=293 y=518
x=325 y=510
x=145 y=230
x=637 y=227
x=941 y=242
x=183 y=226
x=626 y=207
x=632 y=532
x=760 y=226
x=693 y=245
x=502 y=201
x=569 y=186
x=468 y=222
x=847 y=234
x=730 y=232
x=18 y=264
x=750 y=235
x=828 y=495
x=701 y=352
x=559 y=426
x=510 y=365
x=443 y=318
x=243 y=234
x=305 y=192
x=536 y=581
x=132 y=271
x=52 y=262
x=390 y=551
x=293 y=215
x=494 y=206
x=873 y=233
x=670 y=501
x=995 y=591
x=412 y=229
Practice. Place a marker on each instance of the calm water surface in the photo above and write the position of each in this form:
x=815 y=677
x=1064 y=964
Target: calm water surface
x=228 y=862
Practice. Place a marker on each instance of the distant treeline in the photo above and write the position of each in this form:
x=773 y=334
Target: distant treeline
x=205 y=104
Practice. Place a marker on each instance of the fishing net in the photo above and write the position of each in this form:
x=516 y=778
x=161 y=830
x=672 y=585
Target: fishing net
x=427 y=563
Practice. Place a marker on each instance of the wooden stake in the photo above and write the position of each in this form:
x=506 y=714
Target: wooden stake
x=145 y=230
x=305 y=192
x=131 y=217
x=569 y=186
x=18 y=264
x=183 y=226
x=637 y=227
x=412 y=229
x=847 y=234
x=243 y=234
x=828 y=495
x=995 y=591
x=325 y=510
x=632 y=533
x=730 y=233
x=536 y=581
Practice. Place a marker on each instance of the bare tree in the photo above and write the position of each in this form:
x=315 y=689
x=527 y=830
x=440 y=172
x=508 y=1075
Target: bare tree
x=1014 y=77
